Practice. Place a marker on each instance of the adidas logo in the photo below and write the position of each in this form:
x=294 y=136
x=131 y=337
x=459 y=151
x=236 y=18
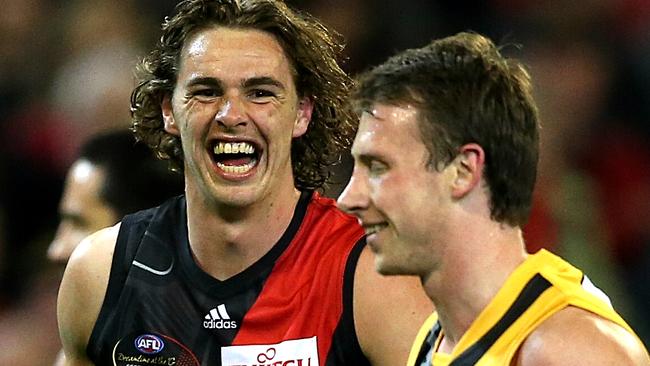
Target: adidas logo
x=218 y=318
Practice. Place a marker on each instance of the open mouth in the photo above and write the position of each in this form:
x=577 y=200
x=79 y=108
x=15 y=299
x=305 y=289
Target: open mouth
x=235 y=157
x=374 y=228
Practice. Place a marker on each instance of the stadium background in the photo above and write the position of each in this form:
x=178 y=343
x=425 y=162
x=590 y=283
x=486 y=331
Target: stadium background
x=65 y=73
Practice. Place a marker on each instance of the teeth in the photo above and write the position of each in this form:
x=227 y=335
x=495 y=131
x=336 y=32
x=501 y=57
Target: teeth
x=233 y=148
x=374 y=228
x=236 y=169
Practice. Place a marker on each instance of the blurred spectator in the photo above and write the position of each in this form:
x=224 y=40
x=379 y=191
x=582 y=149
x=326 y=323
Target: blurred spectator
x=23 y=51
x=374 y=29
x=91 y=89
x=591 y=71
x=572 y=79
x=620 y=166
x=67 y=66
x=112 y=176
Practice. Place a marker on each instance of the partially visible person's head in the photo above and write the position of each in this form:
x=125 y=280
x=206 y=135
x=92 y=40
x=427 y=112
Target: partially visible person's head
x=466 y=92
x=112 y=176
x=312 y=51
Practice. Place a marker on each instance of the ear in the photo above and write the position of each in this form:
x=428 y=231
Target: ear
x=303 y=117
x=468 y=165
x=168 y=116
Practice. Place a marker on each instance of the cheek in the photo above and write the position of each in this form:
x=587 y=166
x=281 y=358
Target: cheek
x=403 y=199
x=103 y=216
x=275 y=127
x=265 y=118
x=195 y=113
x=386 y=194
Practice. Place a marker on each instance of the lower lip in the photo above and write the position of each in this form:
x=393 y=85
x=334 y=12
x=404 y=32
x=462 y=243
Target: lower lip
x=235 y=177
x=371 y=240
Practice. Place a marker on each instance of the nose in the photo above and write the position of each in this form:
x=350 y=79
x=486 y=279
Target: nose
x=56 y=251
x=355 y=197
x=231 y=113
x=64 y=242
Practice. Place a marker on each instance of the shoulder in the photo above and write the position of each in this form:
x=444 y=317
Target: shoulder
x=82 y=289
x=324 y=218
x=325 y=206
x=93 y=255
x=576 y=336
x=388 y=312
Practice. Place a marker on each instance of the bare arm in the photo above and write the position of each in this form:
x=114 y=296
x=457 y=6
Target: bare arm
x=82 y=292
x=577 y=337
x=388 y=312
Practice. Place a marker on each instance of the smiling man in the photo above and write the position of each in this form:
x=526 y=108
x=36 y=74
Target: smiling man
x=445 y=165
x=251 y=265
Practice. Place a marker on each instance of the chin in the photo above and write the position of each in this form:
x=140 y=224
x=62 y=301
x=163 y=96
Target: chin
x=235 y=197
x=387 y=269
x=240 y=199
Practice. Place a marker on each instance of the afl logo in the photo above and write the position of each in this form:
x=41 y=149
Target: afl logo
x=149 y=344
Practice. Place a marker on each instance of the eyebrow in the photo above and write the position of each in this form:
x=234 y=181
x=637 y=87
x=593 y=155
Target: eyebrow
x=366 y=157
x=262 y=80
x=204 y=80
x=248 y=83
x=371 y=112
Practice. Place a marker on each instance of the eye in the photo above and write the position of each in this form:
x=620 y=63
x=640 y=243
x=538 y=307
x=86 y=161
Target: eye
x=205 y=94
x=376 y=167
x=261 y=95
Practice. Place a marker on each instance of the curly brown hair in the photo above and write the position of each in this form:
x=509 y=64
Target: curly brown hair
x=313 y=51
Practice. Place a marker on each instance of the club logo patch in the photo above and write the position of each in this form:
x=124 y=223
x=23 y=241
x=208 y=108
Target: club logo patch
x=152 y=349
x=149 y=344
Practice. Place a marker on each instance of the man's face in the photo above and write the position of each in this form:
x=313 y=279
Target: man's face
x=82 y=210
x=236 y=109
x=400 y=202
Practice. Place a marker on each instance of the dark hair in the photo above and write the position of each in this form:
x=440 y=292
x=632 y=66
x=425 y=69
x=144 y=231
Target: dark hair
x=134 y=178
x=312 y=50
x=467 y=92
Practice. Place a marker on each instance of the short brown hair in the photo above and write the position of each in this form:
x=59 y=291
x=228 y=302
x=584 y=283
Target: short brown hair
x=467 y=92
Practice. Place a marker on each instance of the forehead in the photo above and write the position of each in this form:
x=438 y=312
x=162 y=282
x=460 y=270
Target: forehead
x=83 y=185
x=386 y=126
x=86 y=174
x=233 y=52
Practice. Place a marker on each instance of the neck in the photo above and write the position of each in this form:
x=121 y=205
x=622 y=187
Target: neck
x=464 y=284
x=226 y=240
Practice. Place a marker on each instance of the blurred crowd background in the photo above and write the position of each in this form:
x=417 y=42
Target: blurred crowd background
x=66 y=74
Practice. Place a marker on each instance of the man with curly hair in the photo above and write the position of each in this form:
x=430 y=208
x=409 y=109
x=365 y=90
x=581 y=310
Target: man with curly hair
x=251 y=266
